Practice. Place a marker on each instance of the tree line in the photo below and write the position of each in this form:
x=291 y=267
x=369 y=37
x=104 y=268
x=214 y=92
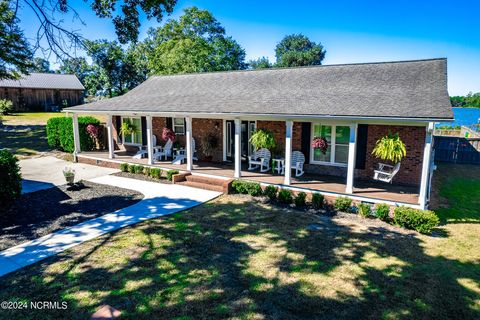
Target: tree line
x=471 y=100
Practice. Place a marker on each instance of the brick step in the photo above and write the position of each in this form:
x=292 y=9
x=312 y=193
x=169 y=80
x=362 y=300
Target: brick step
x=205 y=180
x=199 y=185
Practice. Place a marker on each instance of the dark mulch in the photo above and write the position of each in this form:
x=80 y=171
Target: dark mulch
x=39 y=213
x=141 y=177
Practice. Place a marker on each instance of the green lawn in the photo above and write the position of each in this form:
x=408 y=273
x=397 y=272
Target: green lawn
x=239 y=259
x=35 y=118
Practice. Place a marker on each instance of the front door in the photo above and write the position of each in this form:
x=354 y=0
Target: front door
x=248 y=127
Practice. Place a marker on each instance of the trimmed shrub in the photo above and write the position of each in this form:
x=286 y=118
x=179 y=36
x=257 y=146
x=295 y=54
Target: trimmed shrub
x=131 y=168
x=245 y=187
x=138 y=169
x=10 y=179
x=271 y=192
x=285 y=196
x=422 y=221
x=60 y=133
x=170 y=174
x=300 y=199
x=146 y=171
x=155 y=173
x=317 y=200
x=382 y=211
x=6 y=106
x=343 y=204
x=364 y=210
x=124 y=167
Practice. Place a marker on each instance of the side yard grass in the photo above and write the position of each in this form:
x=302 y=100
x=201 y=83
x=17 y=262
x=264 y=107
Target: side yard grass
x=238 y=258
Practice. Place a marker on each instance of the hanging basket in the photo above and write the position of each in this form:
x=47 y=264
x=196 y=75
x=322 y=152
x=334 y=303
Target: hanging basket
x=320 y=143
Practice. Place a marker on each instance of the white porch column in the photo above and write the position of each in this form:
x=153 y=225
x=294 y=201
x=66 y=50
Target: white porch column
x=149 y=139
x=352 y=146
x=427 y=152
x=110 y=137
x=238 y=151
x=288 y=152
x=188 y=136
x=76 y=137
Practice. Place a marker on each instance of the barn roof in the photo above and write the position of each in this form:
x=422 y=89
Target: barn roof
x=45 y=81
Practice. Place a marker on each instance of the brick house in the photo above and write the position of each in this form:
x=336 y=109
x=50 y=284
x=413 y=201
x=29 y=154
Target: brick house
x=42 y=91
x=353 y=105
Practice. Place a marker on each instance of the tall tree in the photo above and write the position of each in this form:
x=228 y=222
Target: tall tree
x=260 y=63
x=40 y=65
x=196 y=42
x=297 y=50
x=15 y=53
x=77 y=66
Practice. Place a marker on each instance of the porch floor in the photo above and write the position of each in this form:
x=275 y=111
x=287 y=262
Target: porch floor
x=362 y=188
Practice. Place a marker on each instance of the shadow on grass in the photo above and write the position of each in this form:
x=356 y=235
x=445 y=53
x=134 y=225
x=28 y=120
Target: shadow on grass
x=246 y=260
x=24 y=140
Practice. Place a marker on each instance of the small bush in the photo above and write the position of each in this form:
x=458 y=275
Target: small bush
x=146 y=171
x=271 y=192
x=124 y=167
x=317 y=200
x=300 y=199
x=10 y=179
x=285 y=196
x=364 y=210
x=245 y=187
x=382 y=211
x=155 y=173
x=422 y=221
x=60 y=133
x=343 y=204
x=170 y=174
x=131 y=168
x=138 y=169
x=6 y=106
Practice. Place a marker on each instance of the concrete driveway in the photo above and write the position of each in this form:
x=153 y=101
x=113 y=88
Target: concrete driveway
x=46 y=172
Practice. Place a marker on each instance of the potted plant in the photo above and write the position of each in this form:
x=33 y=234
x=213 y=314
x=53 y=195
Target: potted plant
x=168 y=134
x=209 y=144
x=69 y=175
x=390 y=148
x=320 y=143
x=127 y=128
x=263 y=139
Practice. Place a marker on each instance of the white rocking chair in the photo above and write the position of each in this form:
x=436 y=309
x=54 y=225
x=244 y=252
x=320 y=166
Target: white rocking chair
x=298 y=159
x=164 y=152
x=181 y=155
x=386 y=172
x=143 y=150
x=260 y=159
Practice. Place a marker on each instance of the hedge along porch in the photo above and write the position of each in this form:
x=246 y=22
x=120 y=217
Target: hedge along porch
x=353 y=105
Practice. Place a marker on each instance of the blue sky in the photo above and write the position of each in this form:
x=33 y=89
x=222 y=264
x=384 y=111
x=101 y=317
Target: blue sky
x=351 y=31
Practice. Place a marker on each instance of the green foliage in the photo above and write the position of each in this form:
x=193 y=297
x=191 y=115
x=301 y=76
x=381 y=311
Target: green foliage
x=382 y=211
x=156 y=173
x=422 y=221
x=139 y=169
x=77 y=66
x=170 y=174
x=285 y=196
x=10 y=179
x=298 y=50
x=6 y=106
x=263 y=139
x=471 y=100
x=364 y=210
x=271 y=192
x=246 y=187
x=146 y=171
x=209 y=144
x=260 y=63
x=317 y=200
x=15 y=54
x=343 y=204
x=390 y=147
x=124 y=167
x=60 y=133
x=131 y=168
x=195 y=42
x=300 y=199
x=127 y=128
x=40 y=65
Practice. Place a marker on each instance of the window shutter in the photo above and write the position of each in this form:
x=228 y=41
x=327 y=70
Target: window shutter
x=306 y=139
x=144 y=130
x=118 y=124
x=362 y=135
x=169 y=123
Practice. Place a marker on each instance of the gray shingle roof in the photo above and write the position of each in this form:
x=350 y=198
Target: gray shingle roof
x=45 y=81
x=405 y=89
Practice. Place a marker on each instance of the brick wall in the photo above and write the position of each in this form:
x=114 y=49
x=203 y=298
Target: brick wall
x=278 y=128
x=411 y=167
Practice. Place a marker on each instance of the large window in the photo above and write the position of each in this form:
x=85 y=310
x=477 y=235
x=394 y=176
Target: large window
x=136 y=136
x=179 y=126
x=338 y=138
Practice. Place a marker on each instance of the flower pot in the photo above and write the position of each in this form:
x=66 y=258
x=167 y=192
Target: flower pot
x=70 y=179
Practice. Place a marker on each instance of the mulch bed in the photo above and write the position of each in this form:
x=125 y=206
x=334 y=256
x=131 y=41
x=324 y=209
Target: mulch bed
x=39 y=213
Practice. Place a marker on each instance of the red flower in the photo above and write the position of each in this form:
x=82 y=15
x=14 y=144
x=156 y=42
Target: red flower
x=320 y=143
x=168 y=134
x=92 y=130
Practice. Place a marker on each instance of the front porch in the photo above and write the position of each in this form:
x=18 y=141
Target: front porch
x=363 y=190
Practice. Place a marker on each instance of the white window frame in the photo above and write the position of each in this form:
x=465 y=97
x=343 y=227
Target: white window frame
x=332 y=144
x=141 y=130
x=182 y=125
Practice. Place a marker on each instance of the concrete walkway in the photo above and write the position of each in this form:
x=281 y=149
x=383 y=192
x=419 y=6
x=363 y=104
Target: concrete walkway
x=47 y=172
x=160 y=199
